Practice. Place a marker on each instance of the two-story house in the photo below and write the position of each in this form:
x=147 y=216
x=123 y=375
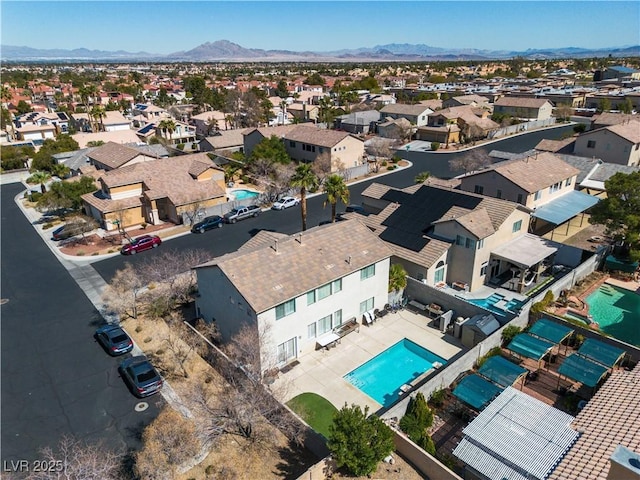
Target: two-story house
x=155 y=192
x=416 y=114
x=541 y=181
x=523 y=108
x=444 y=236
x=113 y=155
x=307 y=144
x=618 y=143
x=38 y=126
x=295 y=289
x=358 y=122
x=455 y=124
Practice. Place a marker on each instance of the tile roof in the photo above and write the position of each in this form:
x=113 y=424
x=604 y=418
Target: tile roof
x=113 y=155
x=609 y=419
x=317 y=136
x=524 y=102
x=554 y=146
x=608 y=118
x=532 y=173
x=404 y=109
x=629 y=130
x=171 y=177
x=267 y=273
x=228 y=138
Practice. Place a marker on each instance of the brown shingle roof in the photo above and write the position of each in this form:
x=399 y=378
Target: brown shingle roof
x=113 y=155
x=316 y=136
x=629 y=131
x=610 y=418
x=404 y=109
x=553 y=146
x=304 y=262
x=524 y=102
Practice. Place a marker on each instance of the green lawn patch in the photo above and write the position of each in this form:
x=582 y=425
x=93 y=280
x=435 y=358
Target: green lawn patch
x=317 y=411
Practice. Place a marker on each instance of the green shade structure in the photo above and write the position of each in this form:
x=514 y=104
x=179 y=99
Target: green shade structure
x=476 y=391
x=601 y=352
x=530 y=346
x=501 y=371
x=583 y=370
x=548 y=330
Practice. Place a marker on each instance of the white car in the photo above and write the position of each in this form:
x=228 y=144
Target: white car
x=285 y=202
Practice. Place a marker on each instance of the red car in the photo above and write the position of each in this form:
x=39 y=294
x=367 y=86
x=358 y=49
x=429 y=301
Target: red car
x=140 y=244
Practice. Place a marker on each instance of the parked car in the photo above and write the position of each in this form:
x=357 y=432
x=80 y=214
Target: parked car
x=241 y=213
x=140 y=244
x=114 y=339
x=62 y=233
x=215 y=221
x=140 y=376
x=285 y=202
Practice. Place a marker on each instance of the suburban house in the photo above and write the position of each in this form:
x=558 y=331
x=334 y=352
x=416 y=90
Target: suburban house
x=594 y=172
x=155 y=192
x=607 y=119
x=144 y=113
x=306 y=144
x=472 y=100
x=541 y=181
x=416 y=114
x=58 y=120
x=224 y=140
x=117 y=136
x=332 y=275
x=445 y=236
x=207 y=123
x=455 y=124
x=523 y=108
x=399 y=128
x=303 y=112
x=253 y=136
x=113 y=155
x=36 y=133
x=358 y=122
x=618 y=143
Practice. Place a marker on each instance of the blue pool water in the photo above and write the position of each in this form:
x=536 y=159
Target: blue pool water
x=383 y=375
x=244 y=194
x=617 y=312
x=488 y=303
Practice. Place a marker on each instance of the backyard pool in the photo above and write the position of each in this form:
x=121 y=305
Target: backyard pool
x=617 y=311
x=489 y=303
x=383 y=375
x=244 y=194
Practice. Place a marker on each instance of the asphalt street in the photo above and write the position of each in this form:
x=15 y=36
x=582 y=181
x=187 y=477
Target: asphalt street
x=230 y=237
x=56 y=380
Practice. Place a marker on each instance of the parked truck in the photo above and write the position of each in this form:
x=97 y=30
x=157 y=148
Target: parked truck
x=241 y=213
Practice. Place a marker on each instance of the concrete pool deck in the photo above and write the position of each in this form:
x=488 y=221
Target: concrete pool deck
x=321 y=371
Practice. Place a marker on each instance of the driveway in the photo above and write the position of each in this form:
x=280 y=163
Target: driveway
x=55 y=379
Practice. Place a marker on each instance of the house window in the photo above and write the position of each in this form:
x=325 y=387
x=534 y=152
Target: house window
x=499 y=194
x=459 y=240
x=311 y=330
x=480 y=243
x=311 y=297
x=519 y=198
x=591 y=144
x=285 y=309
x=337 y=319
x=324 y=325
x=438 y=275
x=516 y=226
x=292 y=144
x=538 y=195
x=368 y=272
x=567 y=182
x=366 y=305
x=478 y=189
x=483 y=269
x=287 y=350
x=320 y=149
x=336 y=286
x=324 y=291
x=313 y=148
x=470 y=243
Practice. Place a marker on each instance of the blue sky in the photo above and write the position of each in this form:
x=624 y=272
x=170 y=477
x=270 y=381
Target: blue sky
x=170 y=26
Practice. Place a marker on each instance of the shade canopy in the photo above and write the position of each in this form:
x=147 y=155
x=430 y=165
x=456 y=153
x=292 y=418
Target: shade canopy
x=583 y=370
x=565 y=207
x=530 y=346
x=501 y=371
x=548 y=330
x=476 y=391
x=601 y=352
x=526 y=250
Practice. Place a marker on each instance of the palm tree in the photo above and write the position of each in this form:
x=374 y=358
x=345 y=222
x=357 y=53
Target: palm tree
x=421 y=177
x=40 y=177
x=336 y=189
x=397 y=278
x=167 y=126
x=305 y=178
x=98 y=113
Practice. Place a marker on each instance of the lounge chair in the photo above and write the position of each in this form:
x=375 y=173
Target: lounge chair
x=366 y=318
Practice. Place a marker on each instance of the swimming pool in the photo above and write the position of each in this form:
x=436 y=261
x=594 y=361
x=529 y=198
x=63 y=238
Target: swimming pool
x=617 y=311
x=489 y=303
x=383 y=375
x=244 y=194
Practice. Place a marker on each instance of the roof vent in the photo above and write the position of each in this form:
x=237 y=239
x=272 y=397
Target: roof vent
x=277 y=287
x=329 y=266
x=349 y=259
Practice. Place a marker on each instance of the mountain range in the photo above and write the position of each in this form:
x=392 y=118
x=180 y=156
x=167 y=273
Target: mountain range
x=224 y=50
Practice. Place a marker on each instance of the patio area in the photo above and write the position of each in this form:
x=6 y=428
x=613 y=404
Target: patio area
x=322 y=371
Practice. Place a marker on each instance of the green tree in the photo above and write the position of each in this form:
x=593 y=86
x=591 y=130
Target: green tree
x=604 y=105
x=626 y=106
x=421 y=177
x=43 y=160
x=167 y=126
x=271 y=149
x=509 y=333
x=98 y=113
x=304 y=178
x=620 y=211
x=314 y=79
x=23 y=107
x=64 y=195
x=358 y=441
x=336 y=189
x=281 y=89
x=416 y=422
x=39 y=177
x=15 y=157
x=397 y=278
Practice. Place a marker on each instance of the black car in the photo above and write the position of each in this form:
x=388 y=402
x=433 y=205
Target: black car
x=62 y=233
x=114 y=339
x=140 y=376
x=215 y=221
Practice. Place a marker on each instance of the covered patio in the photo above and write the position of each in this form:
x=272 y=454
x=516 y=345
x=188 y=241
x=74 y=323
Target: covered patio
x=530 y=346
x=562 y=210
x=521 y=262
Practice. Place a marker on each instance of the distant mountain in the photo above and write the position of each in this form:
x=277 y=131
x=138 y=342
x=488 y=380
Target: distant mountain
x=224 y=50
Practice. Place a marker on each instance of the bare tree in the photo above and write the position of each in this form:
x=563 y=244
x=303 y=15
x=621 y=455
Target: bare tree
x=121 y=295
x=168 y=442
x=380 y=149
x=472 y=160
x=81 y=225
x=76 y=460
x=195 y=212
